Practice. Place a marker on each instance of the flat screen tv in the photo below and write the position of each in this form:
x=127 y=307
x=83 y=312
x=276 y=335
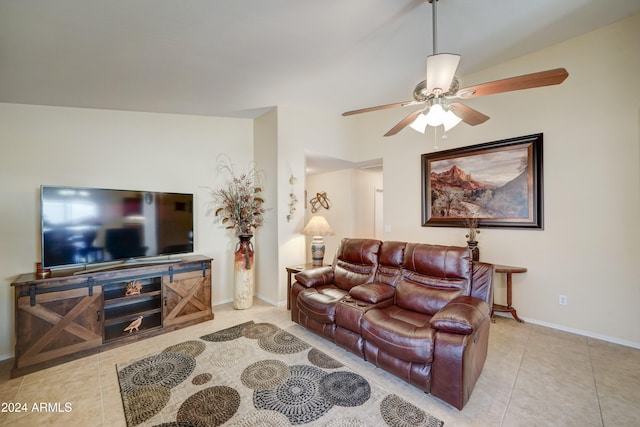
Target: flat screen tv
x=83 y=226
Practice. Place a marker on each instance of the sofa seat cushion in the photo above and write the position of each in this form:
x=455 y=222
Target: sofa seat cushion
x=405 y=334
x=319 y=303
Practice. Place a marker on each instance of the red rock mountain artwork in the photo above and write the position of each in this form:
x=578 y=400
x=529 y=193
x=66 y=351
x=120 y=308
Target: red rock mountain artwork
x=455 y=177
x=454 y=193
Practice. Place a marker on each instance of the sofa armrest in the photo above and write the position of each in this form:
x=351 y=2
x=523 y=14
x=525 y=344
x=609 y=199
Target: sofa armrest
x=372 y=293
x=462 y=315
x=315 y=277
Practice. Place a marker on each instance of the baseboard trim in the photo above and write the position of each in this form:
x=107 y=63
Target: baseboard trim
x=270 y=301
x=575 y=331
x=260 y=297
x=6 y=356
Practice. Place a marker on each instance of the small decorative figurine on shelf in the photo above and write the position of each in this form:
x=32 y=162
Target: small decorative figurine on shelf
x=133 y=288
x=134 y=325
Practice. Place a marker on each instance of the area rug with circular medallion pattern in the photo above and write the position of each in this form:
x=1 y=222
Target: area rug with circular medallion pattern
x=256 y=374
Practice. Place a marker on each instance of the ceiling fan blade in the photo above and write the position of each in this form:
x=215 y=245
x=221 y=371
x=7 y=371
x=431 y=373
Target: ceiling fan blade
x=527 y=81
x=441 y=69
x=467 y=114
x=381 y=107
x=403 y=123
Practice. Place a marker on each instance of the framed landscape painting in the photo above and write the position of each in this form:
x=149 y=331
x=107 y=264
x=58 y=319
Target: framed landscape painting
x=499 y=183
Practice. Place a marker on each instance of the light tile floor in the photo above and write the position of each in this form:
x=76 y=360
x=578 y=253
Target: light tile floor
x=534 y=376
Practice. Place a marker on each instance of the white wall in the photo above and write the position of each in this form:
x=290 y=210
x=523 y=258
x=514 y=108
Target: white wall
x=266 y=237
x=341 y=216
x=301 y=130
x=352 y=194
x=591 y=124
x=108 y=149
x=364 y=190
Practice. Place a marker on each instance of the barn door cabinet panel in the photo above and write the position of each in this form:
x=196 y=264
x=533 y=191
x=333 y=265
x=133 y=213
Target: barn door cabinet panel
x=67 y=316
x=187 y=297
x=57 y=324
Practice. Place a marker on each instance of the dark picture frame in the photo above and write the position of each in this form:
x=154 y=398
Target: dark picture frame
x=499 y=183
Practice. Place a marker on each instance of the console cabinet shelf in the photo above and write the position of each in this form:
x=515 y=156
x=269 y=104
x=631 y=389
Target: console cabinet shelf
x=121 y=309
x=67 y=316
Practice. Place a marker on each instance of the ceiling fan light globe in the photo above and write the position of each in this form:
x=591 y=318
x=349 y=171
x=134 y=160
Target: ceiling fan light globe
x=419 y=124
x=436 y=115
x=441 y=69
x=450 y=120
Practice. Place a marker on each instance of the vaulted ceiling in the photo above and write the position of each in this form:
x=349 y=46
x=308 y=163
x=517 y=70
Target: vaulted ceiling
x=236 y=57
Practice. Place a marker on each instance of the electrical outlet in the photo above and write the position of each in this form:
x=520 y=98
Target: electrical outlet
x=563 y=300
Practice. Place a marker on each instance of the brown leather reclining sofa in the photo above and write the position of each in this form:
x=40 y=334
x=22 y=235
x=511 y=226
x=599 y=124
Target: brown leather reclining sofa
x=418 y=311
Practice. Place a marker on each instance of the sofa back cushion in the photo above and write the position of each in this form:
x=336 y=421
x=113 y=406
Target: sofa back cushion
x=432 y=276
x=356 y=262
x=390 y=262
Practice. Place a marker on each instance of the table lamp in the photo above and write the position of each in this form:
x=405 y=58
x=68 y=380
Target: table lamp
x=317 y=227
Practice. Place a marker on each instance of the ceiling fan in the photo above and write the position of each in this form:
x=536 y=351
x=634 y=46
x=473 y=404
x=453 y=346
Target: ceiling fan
x=438 y=94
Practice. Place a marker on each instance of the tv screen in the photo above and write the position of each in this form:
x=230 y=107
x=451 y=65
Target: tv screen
x=91 y=225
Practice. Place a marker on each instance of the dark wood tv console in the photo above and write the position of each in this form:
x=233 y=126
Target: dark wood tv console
x=66 y=316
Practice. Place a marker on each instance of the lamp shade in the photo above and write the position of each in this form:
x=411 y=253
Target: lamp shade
x=317 y=226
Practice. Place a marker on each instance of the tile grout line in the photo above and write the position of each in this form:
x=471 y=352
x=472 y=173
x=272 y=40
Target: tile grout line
x=595 y=382
x=6 y=421
x=515 y=380
x=101 y=389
